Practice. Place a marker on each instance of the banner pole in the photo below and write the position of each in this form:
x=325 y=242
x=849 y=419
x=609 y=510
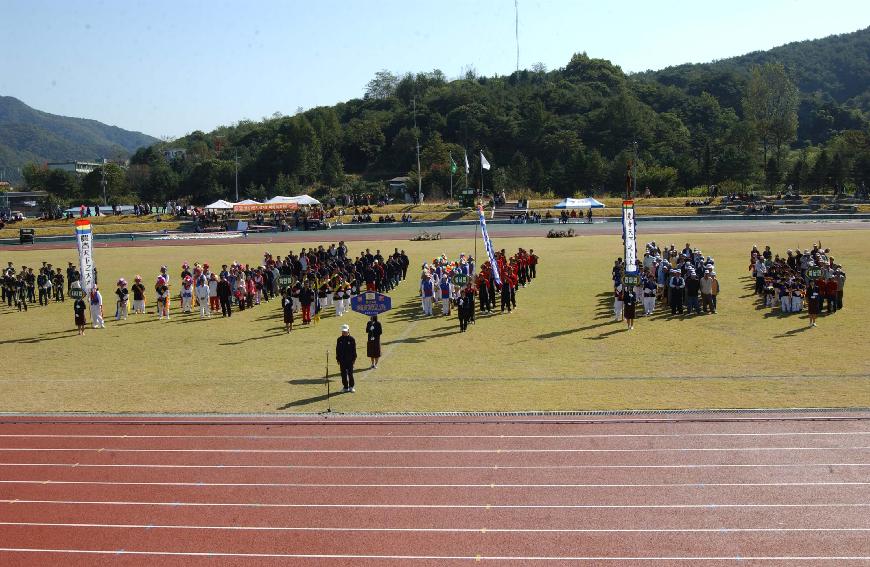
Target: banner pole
x=328 y=398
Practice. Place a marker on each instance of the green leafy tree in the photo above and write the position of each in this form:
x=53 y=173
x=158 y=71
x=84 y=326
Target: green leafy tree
x=116 y=185
x=770 y=105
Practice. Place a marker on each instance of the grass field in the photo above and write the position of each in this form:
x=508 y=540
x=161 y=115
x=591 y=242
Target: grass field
x=558 y=351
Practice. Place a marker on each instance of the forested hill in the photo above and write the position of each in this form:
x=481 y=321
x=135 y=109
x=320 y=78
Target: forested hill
x=795 y=115
x=837 y=67
x=29 y=135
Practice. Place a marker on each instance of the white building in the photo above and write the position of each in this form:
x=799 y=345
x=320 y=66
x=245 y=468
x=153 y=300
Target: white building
x=79 y=167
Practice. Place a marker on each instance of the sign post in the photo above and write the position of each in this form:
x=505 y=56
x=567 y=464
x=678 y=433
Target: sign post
x=460 y=280
x=371 y=303
x=629 y=239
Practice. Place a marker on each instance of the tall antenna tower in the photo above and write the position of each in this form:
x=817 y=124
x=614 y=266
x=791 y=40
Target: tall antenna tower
x=517 y=29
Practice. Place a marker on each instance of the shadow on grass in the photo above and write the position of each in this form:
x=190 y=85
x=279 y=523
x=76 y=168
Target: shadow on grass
x=243 y=341
x=603 y=336
x=555 y=334
x=423 y=339
x=793 y=332
x=312 y=400
x=42 y=338
x=309 y=381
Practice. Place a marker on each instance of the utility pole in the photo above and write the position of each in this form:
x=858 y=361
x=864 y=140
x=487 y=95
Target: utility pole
x=417 y=140
x=103 y=184
x=634 y=176
x=236 y=162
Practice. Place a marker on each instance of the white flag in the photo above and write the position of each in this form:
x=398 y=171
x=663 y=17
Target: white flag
x=466 y=164
x=483 y=163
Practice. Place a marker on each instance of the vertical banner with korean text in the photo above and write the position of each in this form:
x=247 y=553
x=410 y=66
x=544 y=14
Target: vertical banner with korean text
x=629 y=236
x=85 y=243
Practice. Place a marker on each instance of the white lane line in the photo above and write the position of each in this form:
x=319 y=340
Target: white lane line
x=430 y=451
x=389 y=436
x=586 y=559
x=708 y=506
x=433 y=530
x=433 y=467
x=434 y=485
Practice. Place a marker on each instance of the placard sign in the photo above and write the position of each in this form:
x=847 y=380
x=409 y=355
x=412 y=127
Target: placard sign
x=814 y=273
x=631 y=279
x=371 y=303
x=460 y=280
x=285 y=281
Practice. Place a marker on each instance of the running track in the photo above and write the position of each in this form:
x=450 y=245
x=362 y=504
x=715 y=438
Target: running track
x=690 y=489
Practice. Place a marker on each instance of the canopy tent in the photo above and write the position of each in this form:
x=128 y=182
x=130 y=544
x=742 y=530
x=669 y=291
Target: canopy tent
x=219 y=205
x=248 y=202
x=588 y=203
x=304 y=200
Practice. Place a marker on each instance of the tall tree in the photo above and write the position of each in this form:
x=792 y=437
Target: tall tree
x=770 y=106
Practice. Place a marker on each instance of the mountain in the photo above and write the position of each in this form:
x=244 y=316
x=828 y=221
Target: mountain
x=29 y=135
x=563 y=132
x=837 y=66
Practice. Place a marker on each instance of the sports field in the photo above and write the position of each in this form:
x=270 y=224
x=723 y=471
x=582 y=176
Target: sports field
x=558 y=351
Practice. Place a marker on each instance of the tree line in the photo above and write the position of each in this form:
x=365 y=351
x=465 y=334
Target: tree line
x=570 y=131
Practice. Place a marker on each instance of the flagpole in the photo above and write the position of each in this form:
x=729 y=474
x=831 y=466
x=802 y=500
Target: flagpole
x=476 y=225
x=452 y=163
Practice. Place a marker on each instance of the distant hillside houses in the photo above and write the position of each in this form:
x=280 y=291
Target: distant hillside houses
x=83 y=167
x=173 y=154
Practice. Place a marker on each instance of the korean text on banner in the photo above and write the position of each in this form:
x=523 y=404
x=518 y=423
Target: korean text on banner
x=85 y=243
x=629 y=236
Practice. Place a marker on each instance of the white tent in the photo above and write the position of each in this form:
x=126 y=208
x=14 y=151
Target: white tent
x=248 y=202
x=219 y=205
x=305 y=200
x=280 y=199
x=588 y=203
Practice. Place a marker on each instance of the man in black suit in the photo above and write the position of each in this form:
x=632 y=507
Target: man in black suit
x=345 y=355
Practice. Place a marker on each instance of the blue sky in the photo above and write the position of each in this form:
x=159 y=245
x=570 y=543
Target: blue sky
x=168 y=68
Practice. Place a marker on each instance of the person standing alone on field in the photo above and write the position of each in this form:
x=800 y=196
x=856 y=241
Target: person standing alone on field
x=345 y=355
x=373 y=345
x=96 y=299
x=225 y=296
x=79 y=309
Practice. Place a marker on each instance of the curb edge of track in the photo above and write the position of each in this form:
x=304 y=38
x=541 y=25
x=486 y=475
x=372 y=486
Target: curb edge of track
x=550 y=417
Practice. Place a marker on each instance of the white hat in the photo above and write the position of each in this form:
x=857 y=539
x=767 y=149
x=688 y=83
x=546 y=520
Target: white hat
x=345 y=328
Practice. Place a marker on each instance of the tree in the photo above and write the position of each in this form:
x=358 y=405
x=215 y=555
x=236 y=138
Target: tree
x=772 y=174
x=116 y=185
x=770 y=105
x=821 y=171
x=383 y=86
x=61 y=184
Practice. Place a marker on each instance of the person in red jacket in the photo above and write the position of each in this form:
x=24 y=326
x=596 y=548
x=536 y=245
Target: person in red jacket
x=482 y=282
x=533 y=264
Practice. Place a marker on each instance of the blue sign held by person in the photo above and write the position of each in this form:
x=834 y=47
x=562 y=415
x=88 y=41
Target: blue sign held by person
x=371 y=303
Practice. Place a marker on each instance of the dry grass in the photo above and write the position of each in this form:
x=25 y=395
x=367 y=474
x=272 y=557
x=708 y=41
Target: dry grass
x=558 y=351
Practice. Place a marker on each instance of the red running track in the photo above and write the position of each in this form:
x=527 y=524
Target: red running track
x=751 y=489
